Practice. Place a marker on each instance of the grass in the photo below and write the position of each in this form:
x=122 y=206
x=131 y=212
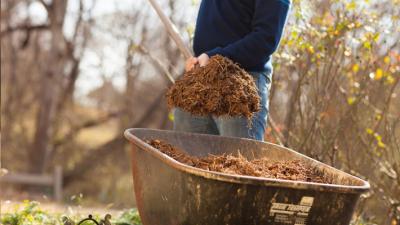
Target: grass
x=30 y=213
x=96 y=136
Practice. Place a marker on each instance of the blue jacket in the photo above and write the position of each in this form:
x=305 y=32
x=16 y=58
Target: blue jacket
x=246 y=31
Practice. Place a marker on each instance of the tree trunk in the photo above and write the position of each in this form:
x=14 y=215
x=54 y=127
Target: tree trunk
x=52 y=73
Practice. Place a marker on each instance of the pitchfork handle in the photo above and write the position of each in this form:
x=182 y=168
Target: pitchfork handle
x=171 y=29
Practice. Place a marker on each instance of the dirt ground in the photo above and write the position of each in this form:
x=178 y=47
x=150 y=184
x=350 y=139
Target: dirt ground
x=11 y=200
x=9 y=206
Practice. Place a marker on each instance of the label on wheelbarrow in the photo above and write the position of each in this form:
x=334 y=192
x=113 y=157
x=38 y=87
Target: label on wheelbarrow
x=282 y=213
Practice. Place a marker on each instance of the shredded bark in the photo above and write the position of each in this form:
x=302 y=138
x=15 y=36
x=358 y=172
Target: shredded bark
x=295 y=170
x=220 y=88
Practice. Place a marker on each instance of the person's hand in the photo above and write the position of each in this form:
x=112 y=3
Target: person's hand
x=190 y=63
x=203 y=59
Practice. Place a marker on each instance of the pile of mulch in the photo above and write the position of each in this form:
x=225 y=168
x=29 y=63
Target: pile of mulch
x=220 y=88
x=295 y=170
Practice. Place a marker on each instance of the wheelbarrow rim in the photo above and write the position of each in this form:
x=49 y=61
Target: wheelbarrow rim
x=243 y=179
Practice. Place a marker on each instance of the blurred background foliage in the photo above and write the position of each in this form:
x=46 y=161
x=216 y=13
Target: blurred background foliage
x=75 y=74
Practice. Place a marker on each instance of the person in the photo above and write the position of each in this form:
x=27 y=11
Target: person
x=248 y=32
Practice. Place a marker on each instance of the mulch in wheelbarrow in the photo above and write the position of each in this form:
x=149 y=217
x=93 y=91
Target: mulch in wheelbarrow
x=221 y=88
x=295 y=170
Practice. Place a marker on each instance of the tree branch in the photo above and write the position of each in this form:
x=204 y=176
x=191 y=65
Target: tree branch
x=87 y=124
x=157 y=63
x=24 y=27
x=92 y=158
x=45 y=5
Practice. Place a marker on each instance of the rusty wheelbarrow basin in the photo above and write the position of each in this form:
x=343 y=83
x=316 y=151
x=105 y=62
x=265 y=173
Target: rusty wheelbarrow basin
x=171 y=193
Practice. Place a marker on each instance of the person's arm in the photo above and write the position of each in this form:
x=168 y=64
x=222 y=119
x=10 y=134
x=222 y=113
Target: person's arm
x=267 y=27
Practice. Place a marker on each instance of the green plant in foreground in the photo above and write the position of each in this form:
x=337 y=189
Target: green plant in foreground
x=130 y=217
x=31 y=214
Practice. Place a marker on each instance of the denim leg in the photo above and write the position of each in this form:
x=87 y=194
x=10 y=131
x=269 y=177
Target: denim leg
x=239 y=126
x=186 y=122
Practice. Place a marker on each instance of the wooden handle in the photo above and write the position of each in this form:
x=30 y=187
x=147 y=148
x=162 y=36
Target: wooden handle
x=171 y=29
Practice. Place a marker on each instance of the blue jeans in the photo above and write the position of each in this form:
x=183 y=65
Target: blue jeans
x=230 y=126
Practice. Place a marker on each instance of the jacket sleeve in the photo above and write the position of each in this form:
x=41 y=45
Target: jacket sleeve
x=256 y=47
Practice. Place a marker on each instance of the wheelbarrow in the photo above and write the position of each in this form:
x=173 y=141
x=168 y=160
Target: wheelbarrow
x=171 y=193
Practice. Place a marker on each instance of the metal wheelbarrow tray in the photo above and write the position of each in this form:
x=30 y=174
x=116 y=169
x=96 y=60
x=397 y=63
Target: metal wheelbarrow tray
x=171 y=193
